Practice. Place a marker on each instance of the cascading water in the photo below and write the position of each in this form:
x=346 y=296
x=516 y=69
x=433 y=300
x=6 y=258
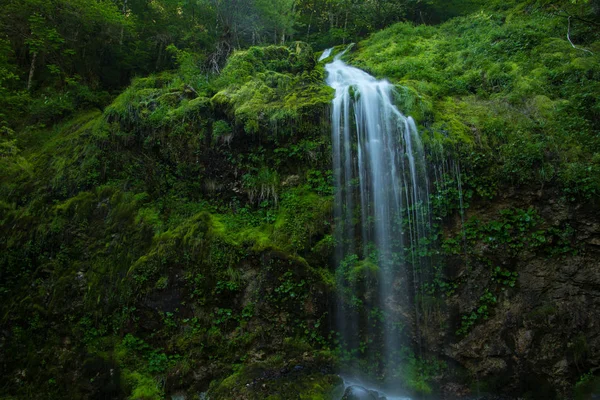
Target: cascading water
x=382 y=219
x=325 y=54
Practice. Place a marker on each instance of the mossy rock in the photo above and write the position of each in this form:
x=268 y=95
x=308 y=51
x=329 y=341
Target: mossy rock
x=303 y=384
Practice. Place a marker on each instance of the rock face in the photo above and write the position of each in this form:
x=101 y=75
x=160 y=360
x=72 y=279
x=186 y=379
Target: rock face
x=360 y=393
x=127 y=286
x=539 y=332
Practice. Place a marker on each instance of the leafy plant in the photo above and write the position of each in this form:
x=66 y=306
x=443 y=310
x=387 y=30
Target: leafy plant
x=486 y=302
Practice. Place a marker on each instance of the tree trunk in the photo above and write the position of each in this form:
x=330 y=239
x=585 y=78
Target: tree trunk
x=160 y=50
x=345 y=28
x=123 y=27
x=309 y=24
x=31 y=71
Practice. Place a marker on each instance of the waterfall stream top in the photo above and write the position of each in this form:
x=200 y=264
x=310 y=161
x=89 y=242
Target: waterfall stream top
x=343 y=77
x=341 y=74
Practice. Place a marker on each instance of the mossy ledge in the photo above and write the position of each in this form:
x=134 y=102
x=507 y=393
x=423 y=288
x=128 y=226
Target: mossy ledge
x=175 y=238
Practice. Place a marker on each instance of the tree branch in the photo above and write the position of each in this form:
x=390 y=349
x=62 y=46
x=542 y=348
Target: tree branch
x=569 y=38
x=577 y=18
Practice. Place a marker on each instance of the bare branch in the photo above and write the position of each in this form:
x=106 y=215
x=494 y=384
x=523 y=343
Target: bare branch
x=569 y=38
x=577 y=18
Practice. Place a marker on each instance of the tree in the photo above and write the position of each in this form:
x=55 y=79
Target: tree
x=279 y=18
x=62 y=35
x=42 y=40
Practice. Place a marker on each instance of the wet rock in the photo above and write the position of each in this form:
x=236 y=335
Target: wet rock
x=454 y=391
x=360 y=393
x=545 y=326
x=291 y=180
x=523 y=341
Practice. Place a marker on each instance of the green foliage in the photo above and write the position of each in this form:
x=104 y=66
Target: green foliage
x=307 y=386
x=353 y=270
x=263 y=186
x=485 y=244
x=418 y=374
x=504 y=277
x=504 y=89
x=197 y=207
x=486 y=302
x=327 y=23
x=134 y=232
x=581 y=179
x=448 y=197
x=272 y=88
x=320 y=183
x=304 y=216
x=288 y=289
x=438 y=285
x=586 y=385
x=514 y=231
x=143 y=387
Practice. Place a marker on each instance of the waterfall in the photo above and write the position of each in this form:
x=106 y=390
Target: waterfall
x=382 y=221
x=325 y=54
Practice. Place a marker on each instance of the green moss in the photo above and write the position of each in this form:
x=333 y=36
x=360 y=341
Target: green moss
x=586 y=386
x=308 y=386
x=303 y=216
x=142 y=387
x=501 y=78
x=272 y=87
x=364 y=269
x=419 y=374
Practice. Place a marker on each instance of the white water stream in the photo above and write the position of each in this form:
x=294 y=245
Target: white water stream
x=381 y=213
x=325 y=54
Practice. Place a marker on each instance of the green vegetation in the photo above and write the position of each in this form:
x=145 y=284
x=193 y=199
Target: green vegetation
x=419 y=374
x=490 y=244
x=586 y=386
x=504 y=90
x=312 y=386
x=166 y=190
x=486 y=301
x=61 y=56
x=148 y=232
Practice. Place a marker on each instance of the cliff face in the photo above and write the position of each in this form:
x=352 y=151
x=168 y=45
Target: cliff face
x=511 y=299
x=521 y=317
x=180 y=241
x=178 y=238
